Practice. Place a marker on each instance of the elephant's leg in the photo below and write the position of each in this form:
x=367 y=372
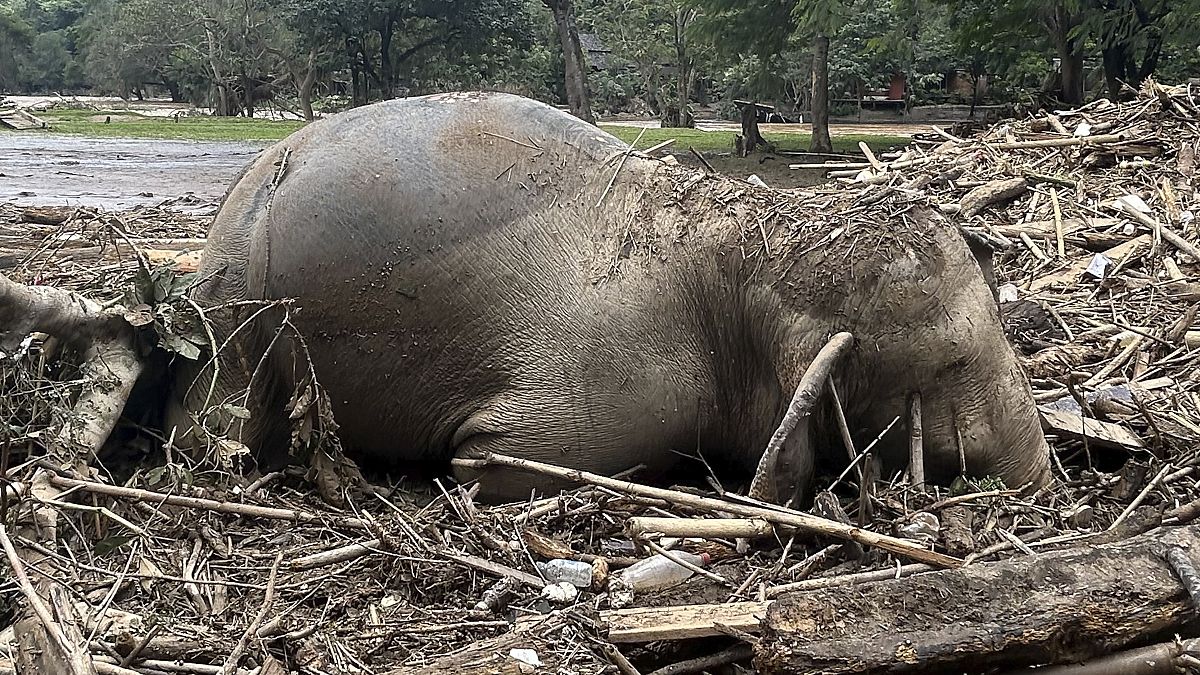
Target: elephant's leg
x=238 y=394
x=550 y=430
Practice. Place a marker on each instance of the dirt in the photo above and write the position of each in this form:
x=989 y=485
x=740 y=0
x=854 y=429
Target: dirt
x=52 y=170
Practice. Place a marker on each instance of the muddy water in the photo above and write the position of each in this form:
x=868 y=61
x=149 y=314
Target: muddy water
x=116 y=173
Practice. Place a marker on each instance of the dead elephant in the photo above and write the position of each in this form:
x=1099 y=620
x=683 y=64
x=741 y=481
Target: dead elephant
x=480 y=273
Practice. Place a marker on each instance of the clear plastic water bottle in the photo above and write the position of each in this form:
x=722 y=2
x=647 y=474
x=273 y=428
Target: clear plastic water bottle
x=574 y=572
x=658 y=572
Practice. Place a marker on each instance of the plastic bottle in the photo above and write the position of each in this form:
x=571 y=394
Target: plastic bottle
x=574 y=572
x=658 y=572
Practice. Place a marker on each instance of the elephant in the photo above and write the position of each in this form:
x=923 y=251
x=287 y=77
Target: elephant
x=472 y=273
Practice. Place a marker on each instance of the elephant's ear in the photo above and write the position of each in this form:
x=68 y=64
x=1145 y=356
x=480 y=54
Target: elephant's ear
x=984 y=246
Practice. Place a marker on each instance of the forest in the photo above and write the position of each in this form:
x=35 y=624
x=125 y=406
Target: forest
x=645 y=57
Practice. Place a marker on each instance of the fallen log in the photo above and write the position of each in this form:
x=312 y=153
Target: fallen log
x=1058 y=607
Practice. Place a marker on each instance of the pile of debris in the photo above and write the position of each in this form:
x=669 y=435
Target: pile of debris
x=164 y=564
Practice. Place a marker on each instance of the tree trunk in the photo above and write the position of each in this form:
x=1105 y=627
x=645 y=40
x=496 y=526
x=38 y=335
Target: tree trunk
x=578 y=96
x=1055 y=607
x=750 y=138
x=305 y=93
x=1070 y=53
x=684 y=65
x=387 y=75
x=305 y=84
x=820 y=96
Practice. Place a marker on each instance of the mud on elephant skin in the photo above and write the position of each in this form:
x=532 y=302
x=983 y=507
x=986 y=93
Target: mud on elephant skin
x=469 y=276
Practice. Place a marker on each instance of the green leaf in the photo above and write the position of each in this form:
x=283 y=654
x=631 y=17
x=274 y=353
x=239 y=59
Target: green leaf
x=110 y=544
x=237 y=411
x=181 y=346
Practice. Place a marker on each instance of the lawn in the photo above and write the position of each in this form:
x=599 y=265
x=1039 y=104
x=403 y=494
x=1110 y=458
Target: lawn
x=126 y=124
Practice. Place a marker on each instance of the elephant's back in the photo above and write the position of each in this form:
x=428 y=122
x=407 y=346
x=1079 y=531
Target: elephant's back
x=438 y=251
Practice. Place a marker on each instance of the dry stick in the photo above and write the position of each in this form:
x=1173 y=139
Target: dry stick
x=916 y=447
x=1058 y=223
x=802 y=404
x=141 y=645
x=642 y=527
x=335 y=556
x=619 y=660
x=624 y=156
x=31 y=595
x=849 y=579
x=1060 y=142
x=1140 y=498
x=732 y=655
x=844 y=428
x=1118 y=361
x=658 y=146
x=775 y=514
x=231 y=663
x=1179 y=562
x=1167 y=233
x=702 y=160
x=206 y=504
x=866 y=151
x=497 y=569
x=670 y=555
x=1160 y=659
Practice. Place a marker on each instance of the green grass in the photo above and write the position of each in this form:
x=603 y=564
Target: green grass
x=722 y=141
x=128 y=124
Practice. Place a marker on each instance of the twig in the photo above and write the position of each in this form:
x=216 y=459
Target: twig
x=1177 y=558
x=235 y=656
x=780 y=515
x=31 y=595
x=725 y=657
x=1060 y=142
x=619 y=660
x=1140 y=498
x=687 y=565
x=624 y=156
x=916 y=447
x=233 y=508
x=849 y=579
x=703 y=161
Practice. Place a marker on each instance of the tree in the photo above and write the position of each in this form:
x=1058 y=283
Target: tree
x=578 y=95
x=1132 y=35
x=1018 y=25
x=16 y=37
x=654 y=37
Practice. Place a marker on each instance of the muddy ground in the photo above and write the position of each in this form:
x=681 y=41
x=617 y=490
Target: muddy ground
x=115 y=174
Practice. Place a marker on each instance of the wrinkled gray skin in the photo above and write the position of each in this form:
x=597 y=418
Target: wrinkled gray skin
x=460 y=291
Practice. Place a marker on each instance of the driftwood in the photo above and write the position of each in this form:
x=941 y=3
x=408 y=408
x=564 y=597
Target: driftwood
x=975 y=201
x=1058 y=607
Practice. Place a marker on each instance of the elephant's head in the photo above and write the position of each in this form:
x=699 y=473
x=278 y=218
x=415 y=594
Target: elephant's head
x=925 y=321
